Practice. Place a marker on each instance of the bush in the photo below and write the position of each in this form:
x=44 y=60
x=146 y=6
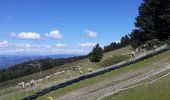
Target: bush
x=151 y=43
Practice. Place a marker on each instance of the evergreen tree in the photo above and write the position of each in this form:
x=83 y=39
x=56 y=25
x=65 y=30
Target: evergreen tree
x=125 y=40
x=136 y=38
x=153 y=20
x=96 y=54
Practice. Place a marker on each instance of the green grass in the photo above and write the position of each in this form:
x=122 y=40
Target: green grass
x=105 y=76
x=158 y=90
x=113 y=60
x=20 y=95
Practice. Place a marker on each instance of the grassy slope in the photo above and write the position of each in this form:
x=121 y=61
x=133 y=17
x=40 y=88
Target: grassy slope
x=85 y=63
x=158 y=90
x=105 y=76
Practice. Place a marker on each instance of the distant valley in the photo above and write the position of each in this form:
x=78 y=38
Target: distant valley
x=10 y=60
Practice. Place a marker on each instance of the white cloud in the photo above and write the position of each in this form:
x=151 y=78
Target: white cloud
x=90 y=34
x=54 y=34
x=26 y=48
x=26 y=35
x=60 y=45
x=4 y=43
x=87 y=44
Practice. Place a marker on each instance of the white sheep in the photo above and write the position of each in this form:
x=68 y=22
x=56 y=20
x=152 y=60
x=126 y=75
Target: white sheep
x=27 y=85
x=39 y=81
x=90 y=69
x=47 y=77
x=81 y=72
x=131 y=54
x=21 y=84
x=62 y=72
x=57 y=73
x=33 y=83
x=77 y=66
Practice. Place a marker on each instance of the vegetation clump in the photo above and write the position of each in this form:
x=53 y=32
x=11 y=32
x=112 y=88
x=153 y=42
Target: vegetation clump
x=96 y=54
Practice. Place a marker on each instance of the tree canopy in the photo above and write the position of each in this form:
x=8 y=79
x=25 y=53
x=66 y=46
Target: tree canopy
x=153 y=21
x=96 y=54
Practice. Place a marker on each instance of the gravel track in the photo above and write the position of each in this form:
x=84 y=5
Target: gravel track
x=118 y=87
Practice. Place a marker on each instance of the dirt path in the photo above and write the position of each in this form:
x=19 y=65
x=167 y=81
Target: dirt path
x=111 y=85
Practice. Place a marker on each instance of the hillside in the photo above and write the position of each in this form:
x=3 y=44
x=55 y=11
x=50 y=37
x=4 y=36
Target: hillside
x=85 y=50
x=108 y=59
x=111 y=82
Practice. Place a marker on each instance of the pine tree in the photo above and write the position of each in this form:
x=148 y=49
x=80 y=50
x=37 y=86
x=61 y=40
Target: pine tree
x=153 y=20
x=125 y=40
x=96 y=54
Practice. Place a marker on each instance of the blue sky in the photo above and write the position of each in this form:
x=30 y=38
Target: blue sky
x=63 y=26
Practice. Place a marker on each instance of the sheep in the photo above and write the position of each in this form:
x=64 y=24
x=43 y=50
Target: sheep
x=131 y=54
x=62 y=72
x=90 y=69
x=33 y=83
x=49 y=98
x=47 y=77
x=57 y=73
x=39 y=81
x=21 y=84
x=77 y=66
x=81 y=72
x=27 y=85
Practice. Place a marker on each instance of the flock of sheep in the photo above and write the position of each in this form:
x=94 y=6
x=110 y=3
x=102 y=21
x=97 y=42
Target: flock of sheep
x=142 y=49
x=31 y=83
x=139 y=50
x=34 y=83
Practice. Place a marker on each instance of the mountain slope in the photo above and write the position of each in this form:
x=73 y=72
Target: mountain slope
x=89 y=87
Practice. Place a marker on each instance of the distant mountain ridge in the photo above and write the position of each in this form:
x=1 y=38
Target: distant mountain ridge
x=10 y=60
